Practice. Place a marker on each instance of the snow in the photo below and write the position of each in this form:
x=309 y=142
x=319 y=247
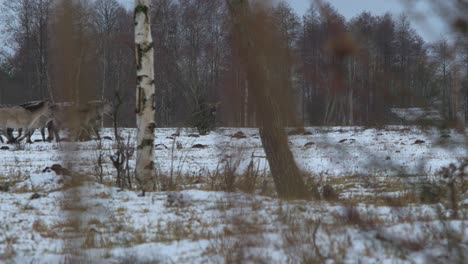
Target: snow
x=415 y=113
x=367 y=154
x=103 y=224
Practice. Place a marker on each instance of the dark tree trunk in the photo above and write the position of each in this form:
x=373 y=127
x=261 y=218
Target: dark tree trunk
x=260 y=52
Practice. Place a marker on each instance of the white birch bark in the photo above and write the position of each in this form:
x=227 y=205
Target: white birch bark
x=145 y=105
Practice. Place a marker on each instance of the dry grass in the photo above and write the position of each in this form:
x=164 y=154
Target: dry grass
x=121 y=210
x=73 y=206
x=44 y=230
x=244 y=228
x=8 y=242
x=94 y=239
x=96 y=222
x=68 y=226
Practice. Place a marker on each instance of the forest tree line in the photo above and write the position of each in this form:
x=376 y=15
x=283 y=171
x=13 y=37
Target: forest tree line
x=342 y=72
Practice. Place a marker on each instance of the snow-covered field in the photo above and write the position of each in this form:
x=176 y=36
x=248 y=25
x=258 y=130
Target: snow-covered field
x=381 y=214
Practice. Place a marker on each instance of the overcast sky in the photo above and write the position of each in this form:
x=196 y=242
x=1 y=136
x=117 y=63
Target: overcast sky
x=432 y=29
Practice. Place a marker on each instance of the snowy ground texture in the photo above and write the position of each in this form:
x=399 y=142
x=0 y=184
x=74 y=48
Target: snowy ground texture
x=390 y=201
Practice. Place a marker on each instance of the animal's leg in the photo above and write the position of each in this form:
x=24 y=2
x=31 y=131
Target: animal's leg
x=18 y=138
x=43 y=134
x=56 y=133
x=75 y=134
x=50 y=130
x=9 y=135
x=26 y=136
x=29 y=135
x=84 y=134
x=96 y=131
x=50 y=136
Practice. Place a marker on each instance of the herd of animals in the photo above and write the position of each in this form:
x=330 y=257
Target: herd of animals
x=80 y=120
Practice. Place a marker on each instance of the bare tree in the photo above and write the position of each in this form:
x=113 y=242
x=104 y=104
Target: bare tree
x=19 y=23
x=105 y=20
x=465 y=65
x=73 y=62
x=145 y=89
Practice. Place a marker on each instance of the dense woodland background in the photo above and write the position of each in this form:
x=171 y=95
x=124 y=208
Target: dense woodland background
x=342 y=72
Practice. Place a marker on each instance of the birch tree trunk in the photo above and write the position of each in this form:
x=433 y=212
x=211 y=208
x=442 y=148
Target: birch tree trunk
x=145 y=104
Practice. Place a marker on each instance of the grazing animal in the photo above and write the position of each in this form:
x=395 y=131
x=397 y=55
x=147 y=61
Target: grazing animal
x=80 y=120
x=25 y=116
x=48 y=122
